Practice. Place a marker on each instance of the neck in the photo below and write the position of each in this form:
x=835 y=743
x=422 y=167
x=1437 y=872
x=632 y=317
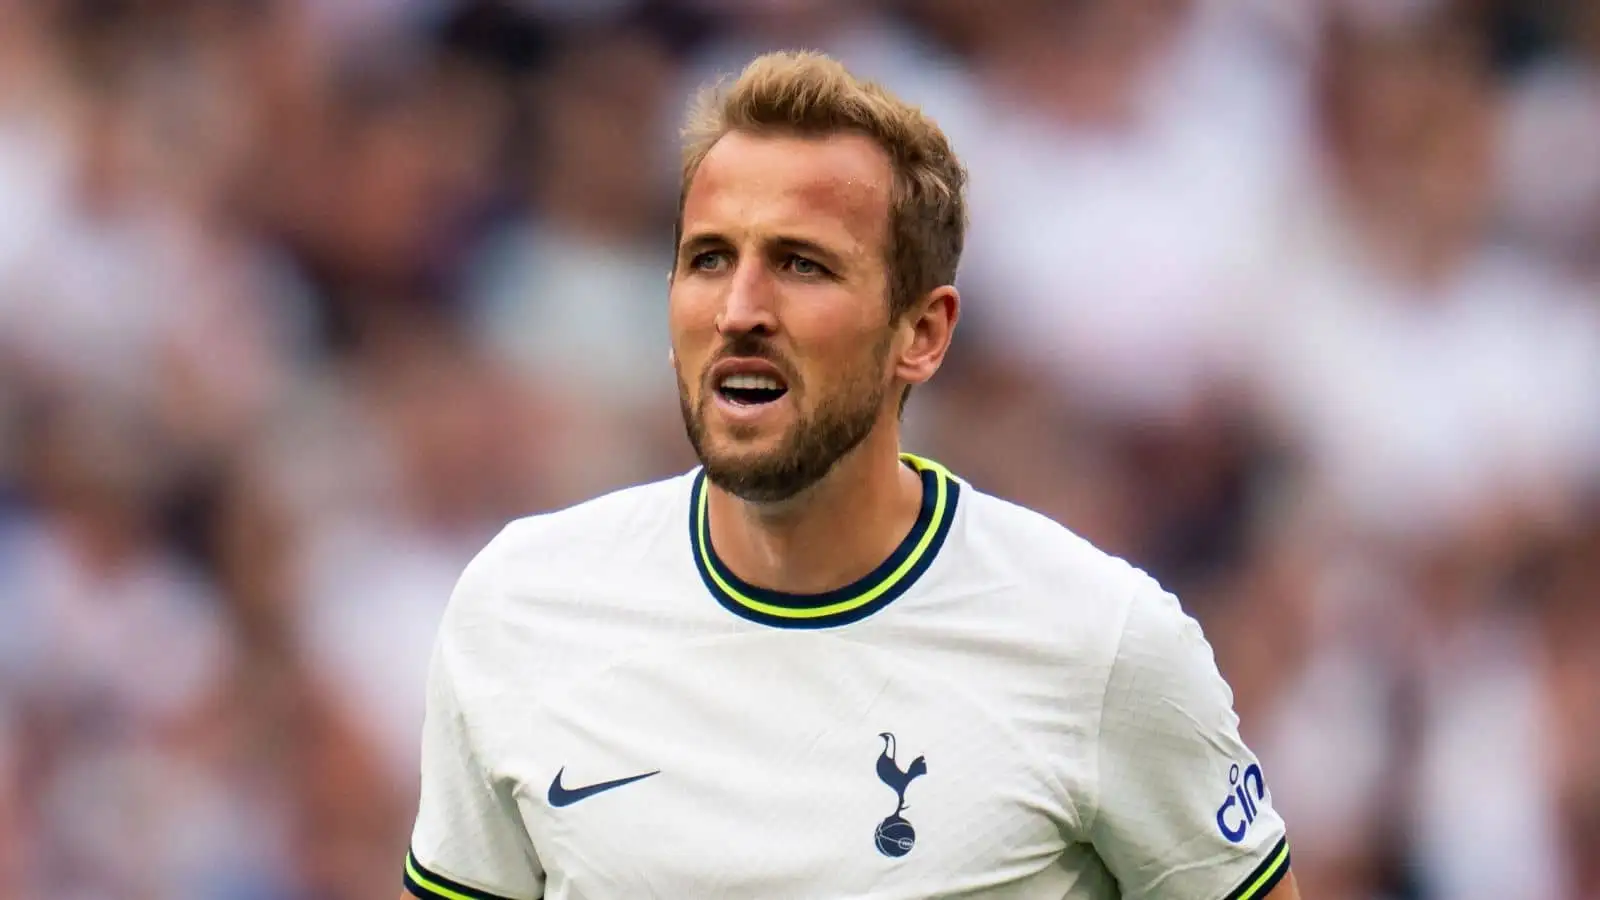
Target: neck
x=833 y=533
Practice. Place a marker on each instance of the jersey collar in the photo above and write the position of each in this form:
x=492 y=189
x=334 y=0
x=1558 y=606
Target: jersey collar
x=851 y=603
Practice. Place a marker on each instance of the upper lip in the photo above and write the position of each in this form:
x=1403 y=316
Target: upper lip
x=746 y=365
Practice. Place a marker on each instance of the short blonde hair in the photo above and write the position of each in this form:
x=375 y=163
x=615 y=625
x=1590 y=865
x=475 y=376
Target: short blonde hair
x=809 y=94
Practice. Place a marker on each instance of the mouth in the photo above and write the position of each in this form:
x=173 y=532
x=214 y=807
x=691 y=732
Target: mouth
x=750 y=389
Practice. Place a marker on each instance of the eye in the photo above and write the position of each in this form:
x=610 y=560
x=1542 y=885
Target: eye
x=709 y=261
x=806 y=267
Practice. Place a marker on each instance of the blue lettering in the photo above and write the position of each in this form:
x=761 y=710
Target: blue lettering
x=1254 y=772
x=1244 y=783
x=1234 y=835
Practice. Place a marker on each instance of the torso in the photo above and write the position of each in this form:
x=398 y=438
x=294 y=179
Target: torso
x=939 y=745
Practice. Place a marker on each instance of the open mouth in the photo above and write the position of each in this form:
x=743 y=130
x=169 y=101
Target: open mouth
x=751 y=390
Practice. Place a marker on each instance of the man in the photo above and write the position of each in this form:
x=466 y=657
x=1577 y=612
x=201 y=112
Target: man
x=816 y=666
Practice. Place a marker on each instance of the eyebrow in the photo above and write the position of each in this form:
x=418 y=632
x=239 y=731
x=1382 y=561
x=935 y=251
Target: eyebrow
x=695 y=244
x=699 y=243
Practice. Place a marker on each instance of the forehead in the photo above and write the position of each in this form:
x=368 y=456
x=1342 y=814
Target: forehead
x=834 y=189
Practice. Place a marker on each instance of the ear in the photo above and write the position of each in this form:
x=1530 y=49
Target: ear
x=925 y=333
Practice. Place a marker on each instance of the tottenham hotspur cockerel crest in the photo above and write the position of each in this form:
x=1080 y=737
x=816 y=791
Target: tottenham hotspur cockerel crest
x=895 y=835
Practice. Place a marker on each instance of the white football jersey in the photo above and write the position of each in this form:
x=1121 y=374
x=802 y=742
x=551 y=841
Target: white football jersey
x=999 y=710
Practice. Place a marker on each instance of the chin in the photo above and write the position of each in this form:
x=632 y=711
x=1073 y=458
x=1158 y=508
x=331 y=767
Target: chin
x=742 y=446
x=760 y=469
x=759 y=479
x=747 y=437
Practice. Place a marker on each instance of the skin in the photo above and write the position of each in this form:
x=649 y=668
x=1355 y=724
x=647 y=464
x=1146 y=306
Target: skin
x=783 y=259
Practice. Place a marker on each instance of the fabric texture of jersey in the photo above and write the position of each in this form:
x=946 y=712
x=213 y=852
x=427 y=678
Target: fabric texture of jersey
x=999 y=710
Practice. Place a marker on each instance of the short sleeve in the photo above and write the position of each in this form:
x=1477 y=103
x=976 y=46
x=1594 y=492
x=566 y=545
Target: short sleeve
x=469 y=840
x=1182 y=808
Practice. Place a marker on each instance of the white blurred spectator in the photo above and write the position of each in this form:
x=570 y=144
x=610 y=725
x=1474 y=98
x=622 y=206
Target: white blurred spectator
x=393 y=478
x=1486 y=814
x=1436 y=381
x=372 y=598
x=1328 y=739
x=1122 y=194
x=1424 y=411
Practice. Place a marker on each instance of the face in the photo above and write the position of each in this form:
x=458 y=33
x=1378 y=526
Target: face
x=785 y=354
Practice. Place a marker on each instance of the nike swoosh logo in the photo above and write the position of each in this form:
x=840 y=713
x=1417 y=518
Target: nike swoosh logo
x=564 y=796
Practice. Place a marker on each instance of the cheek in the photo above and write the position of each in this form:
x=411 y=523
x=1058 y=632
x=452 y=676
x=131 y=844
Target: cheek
x=692 y=353
x=691 y=327
x=846 y=362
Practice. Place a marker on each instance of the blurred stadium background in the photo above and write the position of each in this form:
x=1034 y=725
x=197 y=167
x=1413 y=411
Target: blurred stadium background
x=1296 y=303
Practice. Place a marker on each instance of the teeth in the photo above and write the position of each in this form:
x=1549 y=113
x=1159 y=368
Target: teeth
x=752 y=383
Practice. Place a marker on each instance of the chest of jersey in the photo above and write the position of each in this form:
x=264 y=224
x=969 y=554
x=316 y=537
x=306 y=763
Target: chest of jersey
x=789 y=766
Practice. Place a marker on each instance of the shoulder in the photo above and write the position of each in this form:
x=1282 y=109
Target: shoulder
x=1088 y=606
x=639 y=513
x=1055 y=573
x=540 y=553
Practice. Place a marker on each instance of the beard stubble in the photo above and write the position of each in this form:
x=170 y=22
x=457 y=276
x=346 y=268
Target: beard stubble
x=812 y=445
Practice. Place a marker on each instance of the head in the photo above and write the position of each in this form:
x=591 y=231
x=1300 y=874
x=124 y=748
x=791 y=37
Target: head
x=820 y=224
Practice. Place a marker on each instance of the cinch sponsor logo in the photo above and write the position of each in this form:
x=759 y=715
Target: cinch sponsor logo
x=1236 y=813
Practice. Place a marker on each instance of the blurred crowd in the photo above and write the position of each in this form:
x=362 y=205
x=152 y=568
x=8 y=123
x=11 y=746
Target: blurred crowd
x=1294 y=303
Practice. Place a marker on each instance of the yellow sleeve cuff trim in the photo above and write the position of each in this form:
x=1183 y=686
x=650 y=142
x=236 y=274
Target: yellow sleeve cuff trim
x=1266 y=876
x=431 y=886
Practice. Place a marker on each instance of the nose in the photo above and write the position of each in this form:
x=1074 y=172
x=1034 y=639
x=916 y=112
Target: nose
x=750 y=305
